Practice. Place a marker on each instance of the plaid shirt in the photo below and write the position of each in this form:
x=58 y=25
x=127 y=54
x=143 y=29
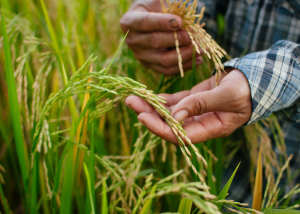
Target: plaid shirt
x=269 y=32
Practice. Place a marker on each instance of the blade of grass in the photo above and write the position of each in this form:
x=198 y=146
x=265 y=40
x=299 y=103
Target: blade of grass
x=105 y=72
x=57 y=51
x=218 y=168
x=92 y=98
x=257 y=193
x=210 y=182
x=92 y=172
x=14 y=106
x=82 y=129
x=80 y=202
x=34 y=185
x=104 y=208
x=225 y=189
x=3 y=131
x=185 y=206
x=281 y=211
x=6 y=4
x=124 y=141
x=4 y=201
x=68 y=179
x=89 y=188
x=50 y=28
x=79 y=51
x=42 y=187
x=66 y=195
x=148 y=203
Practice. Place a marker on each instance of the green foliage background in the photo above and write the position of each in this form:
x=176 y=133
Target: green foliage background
x=49 y=41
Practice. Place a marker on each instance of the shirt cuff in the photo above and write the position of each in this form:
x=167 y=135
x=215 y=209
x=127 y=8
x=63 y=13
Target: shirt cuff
x=274 y=80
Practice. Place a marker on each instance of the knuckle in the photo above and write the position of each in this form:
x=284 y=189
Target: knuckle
x=143 y=22
x=165 y=60
x=199 y=105
x=153 y=40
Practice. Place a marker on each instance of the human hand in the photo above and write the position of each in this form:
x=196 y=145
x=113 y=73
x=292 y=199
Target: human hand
x=208 y=111
x=151 y=38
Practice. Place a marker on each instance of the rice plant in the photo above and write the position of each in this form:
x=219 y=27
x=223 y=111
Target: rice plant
x=198 y=36
x=70 y=143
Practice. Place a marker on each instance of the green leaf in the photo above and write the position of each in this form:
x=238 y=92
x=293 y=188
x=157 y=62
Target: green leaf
x=14 y=106
x=105 y=71
x=281 y=211
x=67 y=187
x=104 y=197
x=58 y=53
x=185 y=206
x=147 y=205
x=92 y=173
x=4 y=201
x=225 y=189
x=218 y=168
x=211 y=183
x=89 y=187
x=34 y=185
x=6 y=4
x=93 y=96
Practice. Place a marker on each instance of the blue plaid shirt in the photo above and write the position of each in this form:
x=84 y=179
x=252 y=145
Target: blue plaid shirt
x=268 y=31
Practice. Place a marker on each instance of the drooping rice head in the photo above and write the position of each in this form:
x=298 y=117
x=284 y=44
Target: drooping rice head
x=199 y=37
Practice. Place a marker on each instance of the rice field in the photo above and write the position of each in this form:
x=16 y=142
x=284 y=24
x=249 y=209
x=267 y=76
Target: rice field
x=69 y=144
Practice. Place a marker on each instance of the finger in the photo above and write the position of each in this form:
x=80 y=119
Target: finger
x=174 y=69
x=158 y=127
x=212 y=125
x=205 y=85
x=138 y=105
x=173 y=99
x=166 y=59
x=149 y=22
x=226 y=97
x=157 y=40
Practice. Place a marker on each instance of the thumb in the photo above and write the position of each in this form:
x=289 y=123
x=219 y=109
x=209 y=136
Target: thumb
x=222 y=98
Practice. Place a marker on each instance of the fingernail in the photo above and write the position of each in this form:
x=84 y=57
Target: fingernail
x=142 y=122
x=181 y=115
x=173 y=24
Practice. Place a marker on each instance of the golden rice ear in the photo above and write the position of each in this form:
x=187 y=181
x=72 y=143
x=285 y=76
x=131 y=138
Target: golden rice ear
x=257 y=194
x=198 y=36
x=179 y=54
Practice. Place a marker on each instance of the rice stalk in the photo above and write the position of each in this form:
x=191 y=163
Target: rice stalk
x=14 y=106
x=198 y=36
x=89 y=187
x=274 y=193
x=104 y=85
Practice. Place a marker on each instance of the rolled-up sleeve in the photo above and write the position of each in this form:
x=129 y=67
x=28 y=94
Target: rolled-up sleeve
x=274 y=79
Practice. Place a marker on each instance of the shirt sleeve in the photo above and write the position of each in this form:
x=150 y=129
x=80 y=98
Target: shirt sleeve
x=274 y=79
